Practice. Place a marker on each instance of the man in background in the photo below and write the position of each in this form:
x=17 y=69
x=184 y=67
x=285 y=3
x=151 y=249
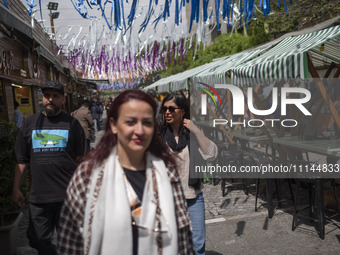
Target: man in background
x=96 y=112
x=50 y=142
x=84 y=116
x=108 y=105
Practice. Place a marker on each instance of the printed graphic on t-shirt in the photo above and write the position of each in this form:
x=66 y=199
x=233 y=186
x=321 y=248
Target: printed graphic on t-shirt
x=49 y=140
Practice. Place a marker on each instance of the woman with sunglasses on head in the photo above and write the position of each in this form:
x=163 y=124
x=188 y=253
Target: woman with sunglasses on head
x=126 y=197
x=176 y=130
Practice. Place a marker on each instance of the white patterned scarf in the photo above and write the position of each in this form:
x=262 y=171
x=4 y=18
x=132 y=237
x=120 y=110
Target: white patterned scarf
x=110 y=229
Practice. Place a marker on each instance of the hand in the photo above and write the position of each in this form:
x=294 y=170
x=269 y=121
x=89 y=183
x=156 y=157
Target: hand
x=190 y=125
x=18 y=198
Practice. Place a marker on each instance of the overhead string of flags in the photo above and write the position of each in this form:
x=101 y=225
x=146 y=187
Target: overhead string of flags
x=124 y=48
x=116 y=19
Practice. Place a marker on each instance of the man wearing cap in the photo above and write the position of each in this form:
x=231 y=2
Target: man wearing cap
x=50 y=142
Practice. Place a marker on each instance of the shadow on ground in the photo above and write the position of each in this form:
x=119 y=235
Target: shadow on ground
x=212 y=253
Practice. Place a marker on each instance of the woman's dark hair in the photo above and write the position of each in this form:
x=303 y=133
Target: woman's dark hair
x=109 y=140
x=181 y=102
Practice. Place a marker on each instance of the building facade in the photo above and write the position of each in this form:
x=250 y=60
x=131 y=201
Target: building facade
x=29 y=58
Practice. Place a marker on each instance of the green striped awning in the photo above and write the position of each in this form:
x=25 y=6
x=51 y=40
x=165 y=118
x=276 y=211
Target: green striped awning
x=288 y=59
x=217 y=73
x=162 y=85
x=179 y=81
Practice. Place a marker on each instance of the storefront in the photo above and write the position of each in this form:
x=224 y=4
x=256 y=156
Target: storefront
x=29 y=58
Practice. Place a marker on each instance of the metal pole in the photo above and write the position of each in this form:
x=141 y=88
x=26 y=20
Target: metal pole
x=52 y=24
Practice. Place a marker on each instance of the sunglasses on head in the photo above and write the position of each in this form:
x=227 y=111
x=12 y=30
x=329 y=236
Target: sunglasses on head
x=171 y=109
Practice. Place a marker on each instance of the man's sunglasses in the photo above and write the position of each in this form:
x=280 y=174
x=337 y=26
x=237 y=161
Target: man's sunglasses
x=170 y=108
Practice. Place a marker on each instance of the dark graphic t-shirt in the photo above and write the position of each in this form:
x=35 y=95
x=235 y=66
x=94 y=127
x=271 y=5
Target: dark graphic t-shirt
x=50 y=145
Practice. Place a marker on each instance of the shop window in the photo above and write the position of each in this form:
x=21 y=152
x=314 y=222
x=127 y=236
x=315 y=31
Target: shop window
x=23 y=95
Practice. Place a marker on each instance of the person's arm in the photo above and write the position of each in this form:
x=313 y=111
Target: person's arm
x=89 y=118
x=70 y=238
x=78 y=139
x=70 y=232
x=207 y=148
x=203 y=141
x=18 y=197
x=184 y=234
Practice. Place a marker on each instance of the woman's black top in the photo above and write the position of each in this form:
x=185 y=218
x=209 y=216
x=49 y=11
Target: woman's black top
x=137 y=180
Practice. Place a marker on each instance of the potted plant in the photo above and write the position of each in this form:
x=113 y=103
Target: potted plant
x=10 y=215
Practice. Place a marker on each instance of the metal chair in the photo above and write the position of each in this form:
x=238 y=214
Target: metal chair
x=232 y=156
x=316 y=203
x=269 y=194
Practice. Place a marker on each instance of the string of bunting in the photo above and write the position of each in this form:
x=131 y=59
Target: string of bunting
x=116 y=18
x=126 y=68
x=112 y=51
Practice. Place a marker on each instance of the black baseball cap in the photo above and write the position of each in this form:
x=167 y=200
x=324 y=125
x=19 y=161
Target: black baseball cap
x=53 y=85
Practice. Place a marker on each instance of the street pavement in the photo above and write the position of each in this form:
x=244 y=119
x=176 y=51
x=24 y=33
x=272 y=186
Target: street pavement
x=233 y=226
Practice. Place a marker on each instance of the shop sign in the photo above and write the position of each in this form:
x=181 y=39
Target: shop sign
x=23 y=73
